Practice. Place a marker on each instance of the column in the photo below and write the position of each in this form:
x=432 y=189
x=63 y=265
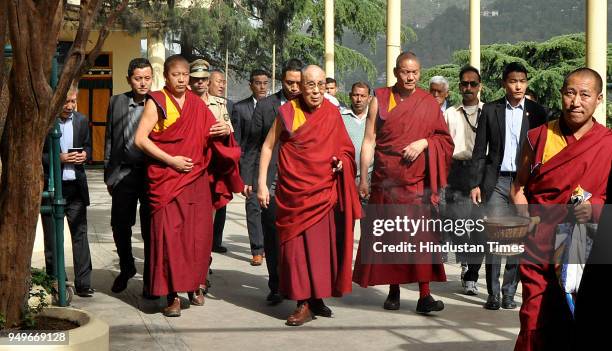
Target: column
x=475 y=33
x=329 y=38
x=156 y=53
x=596 y=46
x=394 y=27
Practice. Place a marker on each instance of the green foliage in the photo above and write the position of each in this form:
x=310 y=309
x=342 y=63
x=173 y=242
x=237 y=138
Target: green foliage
x=547 y=63
x=2 y=321
x=248 y=29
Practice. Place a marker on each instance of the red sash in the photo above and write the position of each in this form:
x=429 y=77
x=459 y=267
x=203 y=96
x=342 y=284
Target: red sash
x=417 y=117
x=585 y=162
x=189 y=137
x=307 y=188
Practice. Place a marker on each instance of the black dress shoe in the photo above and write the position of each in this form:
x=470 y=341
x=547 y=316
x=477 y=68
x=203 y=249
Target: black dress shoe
x=428 y=304
x=87 y=292
x=219 y=249
x=274 y=298
x=492 y=302
x=121 y=281
x=317 y=306
x=508 y=303
x=392 y=302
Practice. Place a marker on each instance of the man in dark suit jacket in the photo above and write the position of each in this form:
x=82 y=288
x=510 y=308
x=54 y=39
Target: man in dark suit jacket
x=242 y=113
x=264 y=115
x=75 y=135
x=125 y=171
x=502 y=130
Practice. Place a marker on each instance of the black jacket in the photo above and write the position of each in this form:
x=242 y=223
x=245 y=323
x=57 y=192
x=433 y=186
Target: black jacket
x=242 y=114
x=491 y=133
x=118 y=133
x=264 y=115
x=81 y=138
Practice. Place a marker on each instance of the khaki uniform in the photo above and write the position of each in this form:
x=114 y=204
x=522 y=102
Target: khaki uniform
x=218 y=106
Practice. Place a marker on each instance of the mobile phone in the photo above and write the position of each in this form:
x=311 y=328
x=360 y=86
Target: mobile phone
x=75 y=149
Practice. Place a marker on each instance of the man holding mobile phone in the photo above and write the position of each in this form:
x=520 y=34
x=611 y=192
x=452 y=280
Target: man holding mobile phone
x=75 y=145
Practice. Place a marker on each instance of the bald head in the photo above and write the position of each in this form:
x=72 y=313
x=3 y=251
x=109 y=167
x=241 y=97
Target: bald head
x=407 y=56
x=407 y=71
x=313 y=86
x=588 y=74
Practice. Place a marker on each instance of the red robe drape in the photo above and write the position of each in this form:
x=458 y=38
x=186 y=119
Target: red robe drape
x=182 y=203
x=396 y=181
x=307 y=190
x=586 y=162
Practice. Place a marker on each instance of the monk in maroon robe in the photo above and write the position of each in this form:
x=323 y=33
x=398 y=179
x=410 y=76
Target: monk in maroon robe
x=412 y=148
x=561 y=156
x=316 y=198
x=194 y=168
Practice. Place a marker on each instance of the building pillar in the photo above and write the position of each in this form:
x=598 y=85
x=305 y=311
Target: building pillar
x=156 y=53
x=596 y=46
x=394 y=28
x=475 y=33
x=329 y=38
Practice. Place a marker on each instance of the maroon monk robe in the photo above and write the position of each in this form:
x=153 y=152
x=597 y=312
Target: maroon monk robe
x=316 y=208
x=182 y=203
x=397 y=181
x=586 y=162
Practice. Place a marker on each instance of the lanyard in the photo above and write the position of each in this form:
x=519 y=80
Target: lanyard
x=473 y=127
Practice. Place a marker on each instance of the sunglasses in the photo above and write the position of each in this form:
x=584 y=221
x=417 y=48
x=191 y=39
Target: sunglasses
x=472 y=83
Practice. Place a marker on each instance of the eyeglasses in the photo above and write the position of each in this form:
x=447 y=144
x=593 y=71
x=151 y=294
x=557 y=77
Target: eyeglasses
x=472 y=83
x=310 y=86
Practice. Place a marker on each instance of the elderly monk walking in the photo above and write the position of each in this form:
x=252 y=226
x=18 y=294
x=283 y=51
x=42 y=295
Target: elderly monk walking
x=194 y=168
x=561 y=156
x=316 y=198
x=408 y=139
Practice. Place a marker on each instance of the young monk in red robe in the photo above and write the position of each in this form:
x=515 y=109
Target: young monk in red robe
x=194 y=168
x=404 y=124
x=316 y=198
x=562 y=155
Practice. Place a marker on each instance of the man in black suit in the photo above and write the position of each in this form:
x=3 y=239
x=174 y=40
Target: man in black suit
x=264 y=115
x=75 y=145
x=502 y=129
x=241 y=120
x=125 y=171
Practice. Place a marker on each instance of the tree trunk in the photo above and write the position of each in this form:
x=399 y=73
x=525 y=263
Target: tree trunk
x=20 y=194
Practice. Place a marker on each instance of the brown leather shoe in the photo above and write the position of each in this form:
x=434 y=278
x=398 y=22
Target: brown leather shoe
x=174 y=309
x=257 y=260
x=301 y=315
x=196 y=298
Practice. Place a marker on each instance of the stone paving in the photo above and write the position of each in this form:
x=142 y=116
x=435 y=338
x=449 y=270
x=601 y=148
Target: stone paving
x=236 y=316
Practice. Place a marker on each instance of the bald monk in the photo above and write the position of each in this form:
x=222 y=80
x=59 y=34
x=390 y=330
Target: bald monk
x=562 y=155
x=194 y=168
x=407 y=137
x=316 y=198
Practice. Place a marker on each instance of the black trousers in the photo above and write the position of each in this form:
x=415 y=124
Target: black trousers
x=254 y=224
x=218 y=225
x=271 y=243
x=130 y=191
x=76 y=214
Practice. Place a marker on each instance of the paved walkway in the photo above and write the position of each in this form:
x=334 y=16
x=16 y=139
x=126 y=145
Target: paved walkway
x=236 y=316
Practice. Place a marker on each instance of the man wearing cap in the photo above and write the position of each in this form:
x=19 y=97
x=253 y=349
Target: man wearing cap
x=212 y=94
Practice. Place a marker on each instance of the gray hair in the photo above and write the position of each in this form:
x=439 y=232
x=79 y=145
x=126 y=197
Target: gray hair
x=439 y=80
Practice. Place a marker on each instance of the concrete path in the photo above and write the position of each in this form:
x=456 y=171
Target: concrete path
x=236 y=316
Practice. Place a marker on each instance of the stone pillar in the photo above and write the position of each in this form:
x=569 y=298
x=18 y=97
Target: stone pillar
x=394 y=27
x=596 y=46
x=475 y=33
x=329 y=38
x=156 y=53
